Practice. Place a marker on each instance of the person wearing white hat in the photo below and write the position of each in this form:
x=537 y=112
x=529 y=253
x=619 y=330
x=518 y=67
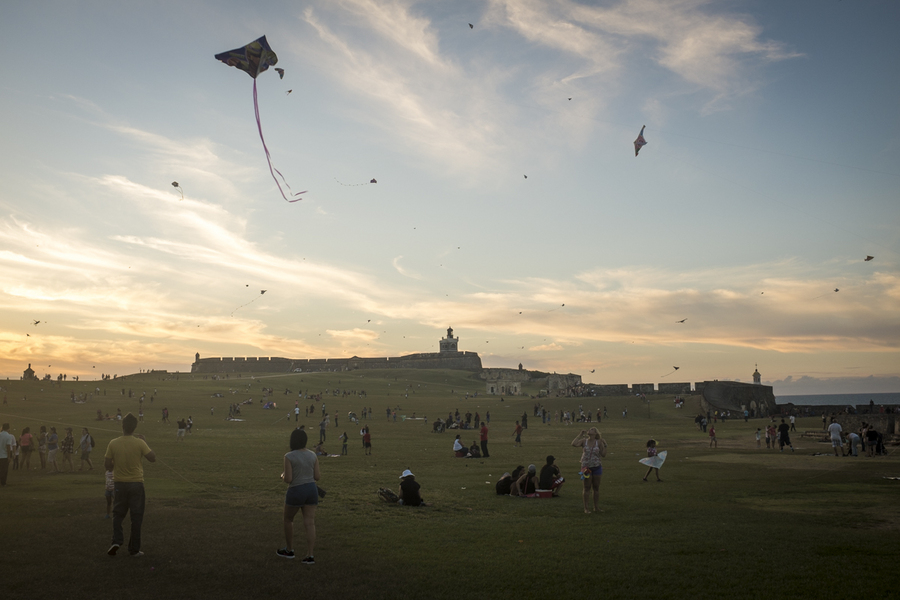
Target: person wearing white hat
x=409 y=490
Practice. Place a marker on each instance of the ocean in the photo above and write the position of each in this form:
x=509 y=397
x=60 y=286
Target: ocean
x=838 y=399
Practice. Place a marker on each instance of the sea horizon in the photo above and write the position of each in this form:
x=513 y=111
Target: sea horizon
x=838 y=399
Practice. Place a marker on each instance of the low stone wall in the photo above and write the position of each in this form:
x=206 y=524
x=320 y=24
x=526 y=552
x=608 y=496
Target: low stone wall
x=616 y=389
x=674 y=388
x=496 y=374
x=736 y=396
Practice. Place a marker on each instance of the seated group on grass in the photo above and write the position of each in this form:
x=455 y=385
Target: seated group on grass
x=525 y=483
x=460 y=450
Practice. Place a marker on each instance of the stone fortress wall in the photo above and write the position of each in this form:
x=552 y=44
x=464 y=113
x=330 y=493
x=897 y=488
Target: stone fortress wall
x=468 y=361
x=448 y=358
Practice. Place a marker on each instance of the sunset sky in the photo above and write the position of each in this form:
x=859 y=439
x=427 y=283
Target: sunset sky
x=772 y=171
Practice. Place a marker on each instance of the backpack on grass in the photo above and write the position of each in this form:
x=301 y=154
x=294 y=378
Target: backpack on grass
x=388 y=496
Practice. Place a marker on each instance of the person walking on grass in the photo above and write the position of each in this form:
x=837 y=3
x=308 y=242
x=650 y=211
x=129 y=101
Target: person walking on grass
x=593 y=448
x=835 y=430
x=27 y=443
x=86 y=445
x=42 y=446
x=784 y=436
x=367 y=440
x=517 y=432
x=652 y=459
x=712 y=437
x=68 y=449
x=6 y=445
x=484 y=440
x=301 y=472
x=124 y=457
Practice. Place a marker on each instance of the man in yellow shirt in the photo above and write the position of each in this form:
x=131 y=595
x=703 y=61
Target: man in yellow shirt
x=124 y=457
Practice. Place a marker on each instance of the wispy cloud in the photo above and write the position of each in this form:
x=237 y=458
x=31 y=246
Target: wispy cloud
x=403 y=271
x=691 y=38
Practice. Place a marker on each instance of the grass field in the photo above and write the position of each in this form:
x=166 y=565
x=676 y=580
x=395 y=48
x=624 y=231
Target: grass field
x=734 y=522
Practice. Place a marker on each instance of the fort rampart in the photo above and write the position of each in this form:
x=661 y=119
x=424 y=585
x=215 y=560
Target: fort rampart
x=468 y=361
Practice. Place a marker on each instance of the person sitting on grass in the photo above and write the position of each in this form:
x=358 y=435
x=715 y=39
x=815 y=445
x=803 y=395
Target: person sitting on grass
x=504 y=484
x=550 y=478
x=409 y=490
x=320 y=449
x=474 y=450
x=459 y=450
x=526 y=484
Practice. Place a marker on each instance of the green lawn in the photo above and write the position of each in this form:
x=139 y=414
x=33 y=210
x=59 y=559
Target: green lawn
x=736 y=521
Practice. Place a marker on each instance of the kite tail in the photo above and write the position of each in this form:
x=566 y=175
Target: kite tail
x=272 y=169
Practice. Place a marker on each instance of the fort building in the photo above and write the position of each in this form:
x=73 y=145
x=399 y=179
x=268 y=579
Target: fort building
x=448 y=358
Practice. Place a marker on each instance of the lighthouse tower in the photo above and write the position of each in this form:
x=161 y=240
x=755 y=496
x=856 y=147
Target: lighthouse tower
x=449 y=343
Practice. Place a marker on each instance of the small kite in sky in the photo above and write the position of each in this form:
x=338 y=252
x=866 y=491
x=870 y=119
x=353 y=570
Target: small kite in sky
x=36 y=322
x=471 y=26
x=823 y=295
x=288 y=93
x=592 y=370
x=682 y=321
x=557 y=308
x=373 y=180
x=253 y=59
x=280 y=73
x=868 y=258
x=526 y=176
x=640 y=141
x=667 y=374
x=179 y=188
x=261 y=292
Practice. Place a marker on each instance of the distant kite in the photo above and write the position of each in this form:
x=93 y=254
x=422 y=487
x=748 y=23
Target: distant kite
x=280 y=73
x=471 y=26
x=373 y=180
x=592 y=370
x=823 y=295
x=526 y=176
x=868 y=258
x=261 y=292
x=682 y=321
x=179 y=188
x=288 y=93
x=36 y=322
x=667 y=374
x=640 y=141
x=557 y=308
x=253 y=59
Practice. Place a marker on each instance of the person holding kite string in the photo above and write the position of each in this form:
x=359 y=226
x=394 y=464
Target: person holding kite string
x=301 y=472
x=593 y=449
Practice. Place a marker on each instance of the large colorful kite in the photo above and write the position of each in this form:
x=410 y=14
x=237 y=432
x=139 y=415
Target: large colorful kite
x=253 y=59
x=640 y=141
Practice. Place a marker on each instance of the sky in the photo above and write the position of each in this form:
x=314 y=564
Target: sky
x=509 y=203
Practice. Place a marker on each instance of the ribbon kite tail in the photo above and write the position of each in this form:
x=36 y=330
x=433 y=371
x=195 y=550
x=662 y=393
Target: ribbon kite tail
x=272 y=169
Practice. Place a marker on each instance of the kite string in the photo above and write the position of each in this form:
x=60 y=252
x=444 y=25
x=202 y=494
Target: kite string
x=272 y=169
